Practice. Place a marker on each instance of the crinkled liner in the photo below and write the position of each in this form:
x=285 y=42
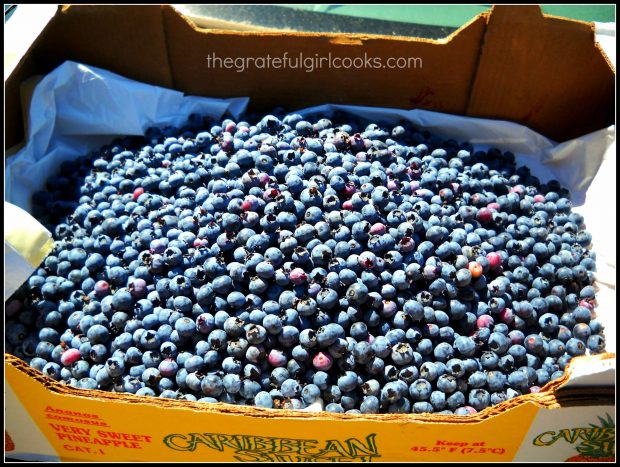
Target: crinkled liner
x=77 y=108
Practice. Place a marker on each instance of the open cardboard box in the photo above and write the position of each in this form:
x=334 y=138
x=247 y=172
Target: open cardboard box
x=510 y=63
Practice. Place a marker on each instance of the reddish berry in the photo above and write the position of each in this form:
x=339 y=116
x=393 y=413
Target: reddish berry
x=494 y=206
x=348 y=205
x=69 y=356
x=518 y=190
x=539 y=198
x=277 y=358
x=349 y=189
x=270 y=194
x=485 y=215
x=494 y=259
x=485 y=321
x=298 y=276
x=322 y=361
x=506 y=316
x=137 y=192
x=475 y=269
x=377 y=229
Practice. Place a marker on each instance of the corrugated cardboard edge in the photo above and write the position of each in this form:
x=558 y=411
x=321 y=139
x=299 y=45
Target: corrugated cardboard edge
x=546 y=398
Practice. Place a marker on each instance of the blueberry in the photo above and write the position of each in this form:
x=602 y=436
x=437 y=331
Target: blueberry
x=342 y=260
x=420 y=390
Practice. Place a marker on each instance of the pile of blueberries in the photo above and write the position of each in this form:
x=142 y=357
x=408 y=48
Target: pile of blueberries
x=367 y=267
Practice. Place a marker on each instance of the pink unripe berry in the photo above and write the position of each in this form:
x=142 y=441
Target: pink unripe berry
x=137 y=192
x=506 y=316
x=485 y=321
x=539 y=198
x=231 y=127
x=518 y=190
x=494 y=259
x=270 y=193
x=494 y=206
x=348 y=205
x=69 y=356
x=377 y=229
x=322 y=361
x=298 y=276
x=277 y=358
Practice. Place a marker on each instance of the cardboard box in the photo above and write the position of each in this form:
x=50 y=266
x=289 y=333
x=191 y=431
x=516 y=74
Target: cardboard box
x=510 y=63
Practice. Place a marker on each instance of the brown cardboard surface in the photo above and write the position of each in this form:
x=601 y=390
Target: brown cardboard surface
x=543 y=72
x=513 y=63
x=441 y=84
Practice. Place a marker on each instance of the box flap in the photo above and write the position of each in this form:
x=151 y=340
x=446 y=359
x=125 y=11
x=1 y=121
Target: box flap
x=544 y=72
x=129 y=40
